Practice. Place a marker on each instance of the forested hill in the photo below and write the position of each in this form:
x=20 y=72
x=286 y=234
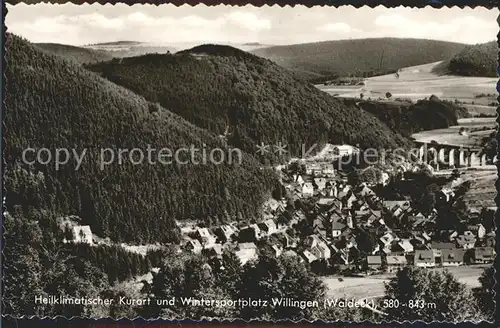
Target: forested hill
x=321 y=61
x=53 y=103
x=476 y=60
x=217 y=86
x=77 y=54
x=407 y=118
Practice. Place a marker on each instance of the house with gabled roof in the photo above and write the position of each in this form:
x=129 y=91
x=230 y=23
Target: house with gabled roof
x=308 y=256
x=246 y=252
x=348 y=200
x=484 y=254
x=307 y=189
x=225 y=232
x=392 y=205
x=452 y=257
x=206 y=238
x=395 y=262
x=403 y=246
x=317 y=247
x=268 y=227
x=388 y=238
x=320 y=183
x=213 y=252
x=82 y=234
x=424 y=258
x=297 y=178
x=478 y=229
x=250 y=233
x=336 y=228
x=373 y=262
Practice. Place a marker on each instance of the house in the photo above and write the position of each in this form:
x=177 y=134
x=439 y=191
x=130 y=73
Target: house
x=424 y=258
x=308 y=256
x=250 y=233
x=393 y=205
x=215 y=251
x=441 y=245
x=193 y=246
x=373 y=262
x=225 y=233
x=447 y=193
x=452 y=257
x=82 y=234
x=246 y=252
x=365 y=191
x=395 y=262
x=312 y=168
x=337 y=228
x=286 y=240
x=318 y=247
x=388 y=238
x=307 y=189
x=478 y=230
x=277 y=249
x=206 y=239
x=268 y=227
x=319 y=226
x=348 y=199
x=320 y=183
x=297 y=178
x=451 y=235
x=328 y=170
x=344 y=150
x=403 y=246
x=484 y=255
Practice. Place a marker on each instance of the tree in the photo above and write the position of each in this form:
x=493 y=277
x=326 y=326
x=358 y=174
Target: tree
x=388 y=95
x=429 y=198
x=283 y=277
x=485 y=294
x=22 y=266
x=440 y=296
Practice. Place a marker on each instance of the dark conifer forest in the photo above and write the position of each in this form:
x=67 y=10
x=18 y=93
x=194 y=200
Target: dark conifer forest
x=69 y=107
x=216 y=87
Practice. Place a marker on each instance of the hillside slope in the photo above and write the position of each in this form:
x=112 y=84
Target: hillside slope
x=218 y=86
x=476 y=60
x=361 y=57
x=408 y=118
x=53 y=103
x=77 y=54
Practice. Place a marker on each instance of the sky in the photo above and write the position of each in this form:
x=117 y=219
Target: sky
x=168 y=24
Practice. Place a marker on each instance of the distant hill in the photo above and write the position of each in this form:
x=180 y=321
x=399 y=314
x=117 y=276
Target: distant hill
x=475 y=60
x=54 y=103
x=216 y=87
x=321 y=61
x=77 y=54
x=131 y=48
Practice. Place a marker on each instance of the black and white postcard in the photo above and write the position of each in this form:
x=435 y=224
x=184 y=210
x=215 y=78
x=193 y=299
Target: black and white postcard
x=242 y=162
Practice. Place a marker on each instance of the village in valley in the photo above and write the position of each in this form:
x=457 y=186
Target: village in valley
x=341 y=227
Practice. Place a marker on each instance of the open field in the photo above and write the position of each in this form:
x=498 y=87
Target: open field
x=479 y=128
x=419 y=82
x=482 y=192
x=369 y=287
